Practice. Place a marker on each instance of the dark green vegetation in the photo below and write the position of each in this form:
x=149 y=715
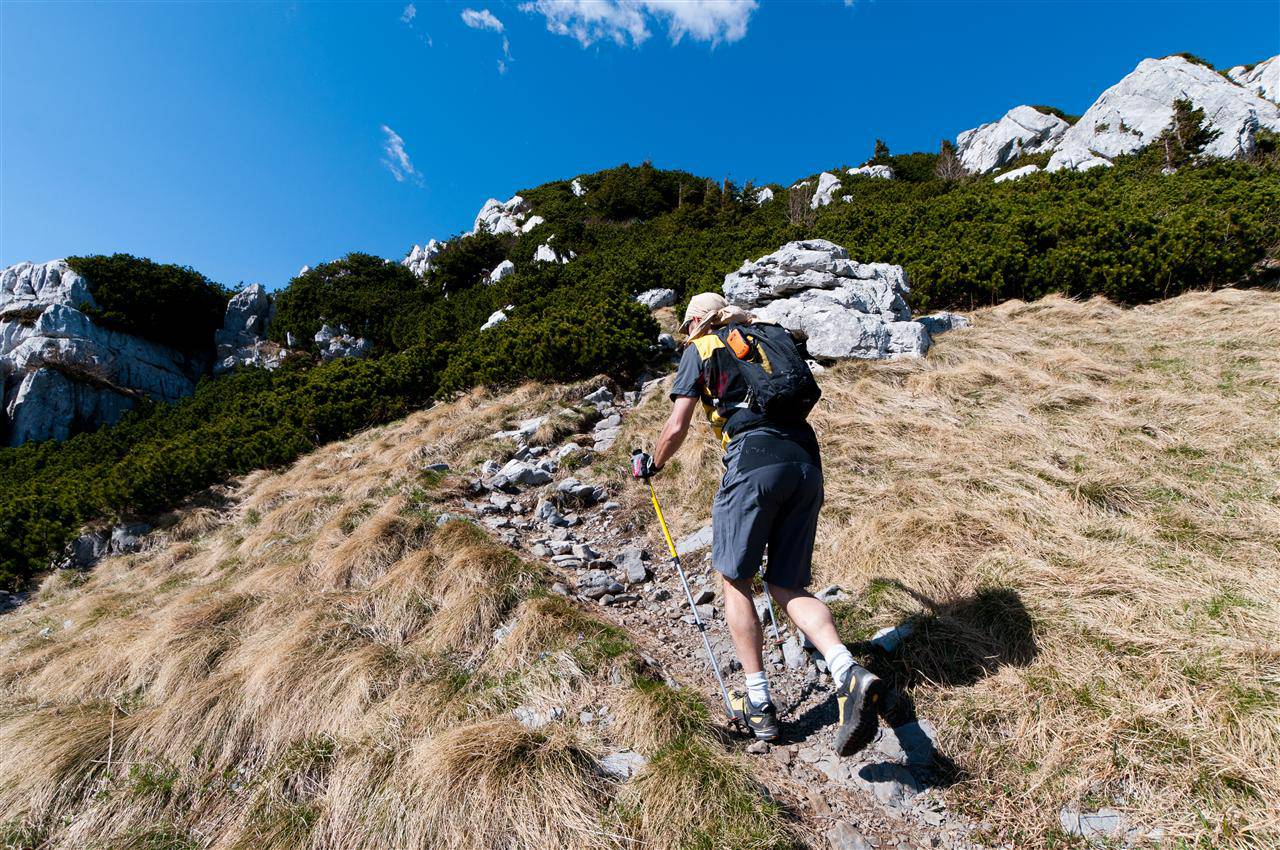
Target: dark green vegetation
x=160 y=454
x=1130 y=233
x=165 y=303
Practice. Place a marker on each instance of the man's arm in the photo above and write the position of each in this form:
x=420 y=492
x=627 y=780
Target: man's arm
x=673 y=433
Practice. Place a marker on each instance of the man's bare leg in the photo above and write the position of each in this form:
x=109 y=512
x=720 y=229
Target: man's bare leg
x=744 y=624
x=813 y=617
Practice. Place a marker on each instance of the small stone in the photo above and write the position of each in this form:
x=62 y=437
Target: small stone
x=700 y=539
x=844 y=837
x=610 y=507
x=585 y=552
x=660 y=595
x=436 y=467
x=706 y=612
x=560 y=588
x=818 y=804
x=783 y=756
x=622 y=765
x=702 y=597
x=758 y=748
x=793 y=655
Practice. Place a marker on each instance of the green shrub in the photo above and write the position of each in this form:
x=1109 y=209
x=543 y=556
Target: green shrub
x=165 y=303
x=359 y=292
x=1053 y=110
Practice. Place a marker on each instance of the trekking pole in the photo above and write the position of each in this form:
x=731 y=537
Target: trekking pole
x=688 y=594
x=773 y=618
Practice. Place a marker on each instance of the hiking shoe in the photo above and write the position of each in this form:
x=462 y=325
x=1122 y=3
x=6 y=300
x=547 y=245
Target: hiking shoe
x=860 y=697
x=761 y=720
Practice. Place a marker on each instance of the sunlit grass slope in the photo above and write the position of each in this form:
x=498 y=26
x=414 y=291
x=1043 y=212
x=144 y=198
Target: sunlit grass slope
x=1079 y=506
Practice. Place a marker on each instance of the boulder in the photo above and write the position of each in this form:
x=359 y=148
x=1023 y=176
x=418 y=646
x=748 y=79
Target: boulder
x=496 y=317
x=533 y=222
x=1262 y=79
x=501 y=270
x=1132 y=113
x=944 y=321
x=241 y=341
x=419 y=257
x=577 y=188
x=653 y=299
x=1019 y=131
x=763 y=195
x=60 y=373
x=334 y=343
x=1017 y=173
x=501 y=216
x=845 y=309
x=880 y=172
x=828 y=183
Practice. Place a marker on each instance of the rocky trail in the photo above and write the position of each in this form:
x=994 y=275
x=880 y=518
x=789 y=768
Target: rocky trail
x=883 y=797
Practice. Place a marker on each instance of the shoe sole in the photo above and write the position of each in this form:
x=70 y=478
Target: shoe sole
x=850 y=741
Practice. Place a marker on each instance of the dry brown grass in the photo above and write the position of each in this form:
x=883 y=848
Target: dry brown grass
x=314 y=665
x=1080 y=504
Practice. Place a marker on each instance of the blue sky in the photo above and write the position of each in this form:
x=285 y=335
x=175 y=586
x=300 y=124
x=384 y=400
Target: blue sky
x=248 y=139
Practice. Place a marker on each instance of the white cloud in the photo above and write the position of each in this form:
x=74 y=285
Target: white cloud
x=502 y=67
x=482 y=20
x=409 y=13
x=629 y=21
x=396 y=158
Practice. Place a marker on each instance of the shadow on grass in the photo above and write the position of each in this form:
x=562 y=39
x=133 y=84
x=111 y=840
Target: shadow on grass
x=950 y=644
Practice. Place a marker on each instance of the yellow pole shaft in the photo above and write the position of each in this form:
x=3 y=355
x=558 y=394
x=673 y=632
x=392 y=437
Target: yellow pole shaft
x=662 y=521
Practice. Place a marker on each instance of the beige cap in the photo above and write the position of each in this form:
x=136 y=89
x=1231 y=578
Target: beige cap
x=700 y=306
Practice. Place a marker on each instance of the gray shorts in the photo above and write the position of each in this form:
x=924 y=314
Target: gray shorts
x=766 y=504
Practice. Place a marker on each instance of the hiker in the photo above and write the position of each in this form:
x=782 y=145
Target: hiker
x=769 y=497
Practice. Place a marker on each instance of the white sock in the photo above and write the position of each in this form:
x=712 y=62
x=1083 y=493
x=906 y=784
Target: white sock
x=838 y=662
x=758 y=688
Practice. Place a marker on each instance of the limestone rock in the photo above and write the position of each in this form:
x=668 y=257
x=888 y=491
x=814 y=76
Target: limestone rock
x=828 y=183
x=652 y=299
x=496 y=317
x=763 y=195
x=419 y=257
x=577 y=188
x=1019 y=131
x=880 y=172
x=943 y=322
x=59 y=372
x=547 y=254
x=501 y=270
x=1262 y=79
x=845 y=309
x=241 y=341
x=622 y=765
x=501 y=216
x=334 y=343
x=1132 y=113
x=533 y=222
x=1017 y=173
x=700 y=539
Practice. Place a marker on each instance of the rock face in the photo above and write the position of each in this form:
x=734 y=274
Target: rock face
x=1262 y=79
x=419 y=258
x=1017 y=173
x=59 y=372
x=242 y=339
x=652 y=299
x=880 y=172
x=1021 y=130
x=763 y=196
x=501 y=217
x=577 y=188
x=845 y=308
x=501 y=270
x=547 y=254
x=1132 y=113
x=828 y=183
x=496 y=317
x=336 y=342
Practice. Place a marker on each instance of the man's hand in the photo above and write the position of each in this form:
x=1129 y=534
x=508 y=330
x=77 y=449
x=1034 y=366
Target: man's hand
x=642 y=465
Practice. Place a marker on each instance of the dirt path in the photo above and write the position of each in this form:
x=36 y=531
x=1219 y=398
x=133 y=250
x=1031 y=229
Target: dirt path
x=883 y=797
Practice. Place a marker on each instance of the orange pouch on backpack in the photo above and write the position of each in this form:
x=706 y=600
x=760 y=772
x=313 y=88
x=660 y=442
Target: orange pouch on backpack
x=738 y=345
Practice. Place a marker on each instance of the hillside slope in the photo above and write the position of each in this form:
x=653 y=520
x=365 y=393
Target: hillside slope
x=1075 y=505
x=314 y=661
x=1078 y=508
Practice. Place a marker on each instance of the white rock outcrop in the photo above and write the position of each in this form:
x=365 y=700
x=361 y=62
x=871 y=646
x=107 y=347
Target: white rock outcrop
x=59 y=372
x=501 y=270
x=828 y=183
x=419 y=258
x=846 y=309
x=763 y=195
x=497 y=317
x=546 y=254
x=533 y=222
x=337 y=342
x=1018 y=173
x=242 y=339
x=653 y=299
x=880 y=172
x=577 y=188
x=1021 y=130
x=1262 y=79
x=1132 y=113
x=501 y=216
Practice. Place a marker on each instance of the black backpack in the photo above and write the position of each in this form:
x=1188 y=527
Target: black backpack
x=780 y=385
